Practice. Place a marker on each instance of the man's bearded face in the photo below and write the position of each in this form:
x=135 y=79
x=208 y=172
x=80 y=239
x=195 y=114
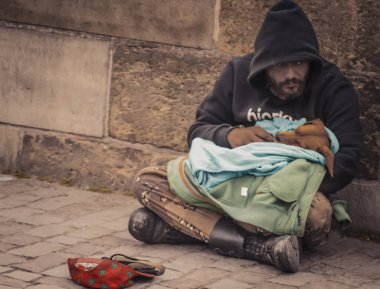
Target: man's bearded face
x=287 y=80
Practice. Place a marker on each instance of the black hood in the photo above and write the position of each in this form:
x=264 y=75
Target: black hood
x=285 y=36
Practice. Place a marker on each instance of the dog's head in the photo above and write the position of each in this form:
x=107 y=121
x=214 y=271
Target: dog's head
x=313 y=136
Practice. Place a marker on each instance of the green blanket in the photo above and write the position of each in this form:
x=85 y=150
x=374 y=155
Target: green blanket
x=278 y=203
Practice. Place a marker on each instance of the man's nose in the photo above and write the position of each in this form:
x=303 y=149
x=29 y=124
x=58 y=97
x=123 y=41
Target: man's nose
x=290 y=71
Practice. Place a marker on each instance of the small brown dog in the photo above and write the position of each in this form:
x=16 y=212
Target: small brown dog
x=313 y=136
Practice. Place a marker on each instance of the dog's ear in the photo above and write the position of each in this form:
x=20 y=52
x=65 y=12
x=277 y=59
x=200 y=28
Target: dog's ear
x=329 y=159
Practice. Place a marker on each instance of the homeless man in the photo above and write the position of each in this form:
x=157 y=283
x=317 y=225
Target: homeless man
x=284 y=79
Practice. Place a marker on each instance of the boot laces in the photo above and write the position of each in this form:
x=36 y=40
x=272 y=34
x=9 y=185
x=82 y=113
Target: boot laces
x=260 y=248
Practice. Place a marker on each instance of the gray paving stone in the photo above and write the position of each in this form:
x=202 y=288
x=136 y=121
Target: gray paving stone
x=9 y=259
x=267 y=285
x=22 y=275
x=327 y=270
x=52 y=203
x=39 y=219
x=6 y=287
x=61 y=271
x=166 y=251
x=326 y=284
x=21 y=239
x=196 y=278
x=157 y=287
x=73 y=212
x=119 y=224
x=3 y=219
x=250 y=277
x=48 y=230
x=124 y=235
x=265 y=269
x=66 y=240
x=83 y=250
x=370 y=249
x=38 y=249
x=5 y=269
x=61 y=282
x=194 y=261
x=109 y=241
x=48 y=191
x=17 y=200
x=349 y=261
x=99 y=217
x=11 y=227
x=6 y=246
x=7 y=281
x=90 y=232
x=231 y=264
x=129 y=250
x=370 y=270
x=17 y=186
x=44 y=286
x=348 y=279
x=298 y=279
x=20 y=212
x=43 y=263
x=228 y=283
x=369 y=286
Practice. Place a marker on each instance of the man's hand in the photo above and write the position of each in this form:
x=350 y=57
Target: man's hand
x=242 y=136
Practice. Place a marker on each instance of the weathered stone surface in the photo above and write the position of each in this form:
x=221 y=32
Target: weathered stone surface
x=186 y=22
x=363 y=205
x=155 y=91
x=365 y=70
x=369 y=90
x=10 y=140
x=240 y=22
x=101 y=165
x=336 y=26
x=53 y=81
x=368 y=41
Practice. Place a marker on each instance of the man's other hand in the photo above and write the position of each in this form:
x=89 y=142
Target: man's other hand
x=245 y=135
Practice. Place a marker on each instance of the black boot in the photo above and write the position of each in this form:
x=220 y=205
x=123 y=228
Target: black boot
x=283 y=252
x=146 y=226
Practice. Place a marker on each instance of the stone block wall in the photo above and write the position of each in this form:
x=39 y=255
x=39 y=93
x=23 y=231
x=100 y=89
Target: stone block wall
x=54 y=82
x=92 y=91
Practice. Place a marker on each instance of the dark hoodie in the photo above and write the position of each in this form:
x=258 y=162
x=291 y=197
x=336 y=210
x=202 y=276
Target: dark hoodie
x=241 y=97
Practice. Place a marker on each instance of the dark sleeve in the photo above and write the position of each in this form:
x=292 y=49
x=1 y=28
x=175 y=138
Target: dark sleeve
x=340 y=113
x=214 y=116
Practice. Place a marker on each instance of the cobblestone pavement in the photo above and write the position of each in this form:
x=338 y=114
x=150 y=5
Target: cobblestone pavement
x=43 y=224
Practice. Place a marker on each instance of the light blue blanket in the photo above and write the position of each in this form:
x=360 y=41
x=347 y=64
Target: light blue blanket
x=211 y=164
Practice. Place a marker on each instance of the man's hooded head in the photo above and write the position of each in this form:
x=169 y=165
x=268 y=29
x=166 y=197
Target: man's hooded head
x=286 y=36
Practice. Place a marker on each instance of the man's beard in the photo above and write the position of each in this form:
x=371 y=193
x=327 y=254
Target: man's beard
x=278 y=91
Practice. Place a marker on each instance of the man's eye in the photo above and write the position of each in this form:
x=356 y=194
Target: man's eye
x=299 y=62
x=279 y=65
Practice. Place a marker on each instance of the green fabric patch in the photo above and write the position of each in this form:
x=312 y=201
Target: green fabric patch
x=340 y=213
